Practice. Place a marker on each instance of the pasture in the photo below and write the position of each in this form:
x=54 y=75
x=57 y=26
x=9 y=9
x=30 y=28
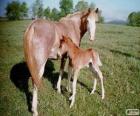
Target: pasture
x=119 y=49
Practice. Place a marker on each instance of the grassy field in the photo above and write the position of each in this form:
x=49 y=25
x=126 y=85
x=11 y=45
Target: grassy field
x=119 y=49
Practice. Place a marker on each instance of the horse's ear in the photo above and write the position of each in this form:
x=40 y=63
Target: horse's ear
x=97 y=10
x=89 y=10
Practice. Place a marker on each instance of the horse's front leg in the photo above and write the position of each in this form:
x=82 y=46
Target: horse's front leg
x=63 y=62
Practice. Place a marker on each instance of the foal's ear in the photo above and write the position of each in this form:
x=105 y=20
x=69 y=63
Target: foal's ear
x=97 y=10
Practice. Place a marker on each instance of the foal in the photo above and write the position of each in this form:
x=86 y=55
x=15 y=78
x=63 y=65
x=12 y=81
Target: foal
x=79 y=59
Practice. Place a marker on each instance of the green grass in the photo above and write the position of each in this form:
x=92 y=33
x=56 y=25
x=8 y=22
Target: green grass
x=119 y=49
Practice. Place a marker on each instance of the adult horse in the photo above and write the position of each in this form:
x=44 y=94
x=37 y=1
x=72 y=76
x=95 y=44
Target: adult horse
x=42 y=39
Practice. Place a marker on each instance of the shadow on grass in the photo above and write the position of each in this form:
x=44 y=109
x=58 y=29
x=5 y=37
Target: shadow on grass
x=125 y=54
x=52 y=76
x=19 y=75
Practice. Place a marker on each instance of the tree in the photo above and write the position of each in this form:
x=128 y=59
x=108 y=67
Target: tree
x=47 y=13
x=24 y=9
x=101 y=18
x=66 y=7
x=15 y=10
x=54 y=14
x=37 y=9
x=92 y=6
x=81 y=5
x=134 y=19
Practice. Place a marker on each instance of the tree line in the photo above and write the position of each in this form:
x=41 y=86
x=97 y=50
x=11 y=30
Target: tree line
x=16 y=10
x=134 y=19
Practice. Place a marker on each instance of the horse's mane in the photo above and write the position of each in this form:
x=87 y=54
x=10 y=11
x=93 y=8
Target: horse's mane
x=68 y=16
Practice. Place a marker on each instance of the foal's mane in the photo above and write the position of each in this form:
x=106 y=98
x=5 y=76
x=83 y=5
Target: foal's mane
x=69 y=41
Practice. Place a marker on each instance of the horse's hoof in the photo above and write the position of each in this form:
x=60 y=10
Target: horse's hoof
x=103 y=97
x=58 y=91
x=35 y=113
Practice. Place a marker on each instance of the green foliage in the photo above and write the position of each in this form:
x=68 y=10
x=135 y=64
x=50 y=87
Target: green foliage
x=101 y=18
x=47 y=13
x=24 y=9
x=15 y=10
x=66 y=7
x=81 y=6
x=92 y=6
x=37 y=9
x=134 y=19
x=55 y=14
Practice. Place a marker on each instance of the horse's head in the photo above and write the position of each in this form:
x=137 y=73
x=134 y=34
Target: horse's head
x=90 y=18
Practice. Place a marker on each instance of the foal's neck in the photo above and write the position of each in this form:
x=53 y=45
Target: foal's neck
x=72 y=48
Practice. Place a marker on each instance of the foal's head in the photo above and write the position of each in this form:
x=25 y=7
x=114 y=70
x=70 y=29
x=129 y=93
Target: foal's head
x=65 y=45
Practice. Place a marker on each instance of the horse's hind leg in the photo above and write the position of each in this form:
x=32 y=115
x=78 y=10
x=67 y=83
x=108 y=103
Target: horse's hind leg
x=63 y=61
x=35 y=93
x=34 y=101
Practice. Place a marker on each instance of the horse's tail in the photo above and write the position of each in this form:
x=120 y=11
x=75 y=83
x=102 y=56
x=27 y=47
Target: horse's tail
x=29 y=56
x=96 y=58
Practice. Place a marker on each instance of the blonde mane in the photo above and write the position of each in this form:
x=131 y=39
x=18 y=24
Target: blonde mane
x=68 y=16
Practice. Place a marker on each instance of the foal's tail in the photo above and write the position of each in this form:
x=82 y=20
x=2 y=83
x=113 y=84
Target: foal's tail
x=96 y=58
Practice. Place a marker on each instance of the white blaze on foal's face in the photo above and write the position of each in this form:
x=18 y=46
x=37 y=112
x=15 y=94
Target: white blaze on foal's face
x=91 y=26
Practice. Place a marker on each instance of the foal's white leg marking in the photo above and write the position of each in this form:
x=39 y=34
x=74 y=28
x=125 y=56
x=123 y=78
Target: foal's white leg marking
x=72 y=98
x=69 y=79
x=59 y=81
x=34 y=101
x=94 y=86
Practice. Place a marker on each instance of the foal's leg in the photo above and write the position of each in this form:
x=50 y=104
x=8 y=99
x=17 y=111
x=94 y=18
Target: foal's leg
x=72 y=98
x=70 y=72
x=94 y=86
x=63 y=61
x=95 y=79
x=99 y=73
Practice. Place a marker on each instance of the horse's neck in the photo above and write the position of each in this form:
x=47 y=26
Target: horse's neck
x=79 y=27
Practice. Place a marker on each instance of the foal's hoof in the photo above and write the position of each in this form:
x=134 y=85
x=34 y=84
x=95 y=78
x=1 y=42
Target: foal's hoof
x=92 y=92
x=68 y=89
x=71 y=97
x=103 y=97
x=71 y=105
